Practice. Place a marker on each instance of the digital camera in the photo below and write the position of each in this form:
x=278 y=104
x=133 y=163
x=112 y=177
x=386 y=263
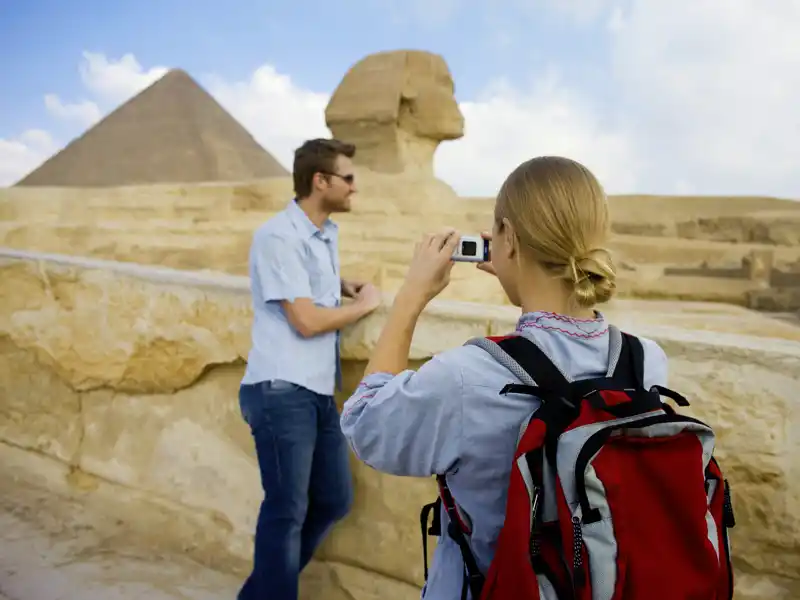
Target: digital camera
x=472 y=248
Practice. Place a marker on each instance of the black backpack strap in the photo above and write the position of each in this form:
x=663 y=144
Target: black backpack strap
x=532 y=366
x=500 y=355
x=542 y=377
x=535 y=361
x=435 y=528
x=473 y=578
x=629 y=368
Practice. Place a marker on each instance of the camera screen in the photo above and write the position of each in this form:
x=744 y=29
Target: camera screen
x=469 y=248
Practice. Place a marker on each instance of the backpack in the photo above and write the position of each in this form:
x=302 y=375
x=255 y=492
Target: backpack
x=613 y=495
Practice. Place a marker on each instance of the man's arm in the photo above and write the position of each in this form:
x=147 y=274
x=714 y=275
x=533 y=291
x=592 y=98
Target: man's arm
x=310 y=320
x=283 y=278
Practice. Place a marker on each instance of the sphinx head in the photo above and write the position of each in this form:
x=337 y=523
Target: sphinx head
x=396 y=107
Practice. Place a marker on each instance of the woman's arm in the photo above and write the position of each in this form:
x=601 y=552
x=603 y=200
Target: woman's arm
x=428 y=274
x=409 y=423
x=399 y=421
x=394 y=343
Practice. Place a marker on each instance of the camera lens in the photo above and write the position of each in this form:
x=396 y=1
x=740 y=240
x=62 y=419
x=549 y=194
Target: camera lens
x=469 y=248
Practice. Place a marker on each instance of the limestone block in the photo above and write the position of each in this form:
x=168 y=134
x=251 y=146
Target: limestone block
x=155 y=402
x=781 y=228
x=678 y=252
x=191 y=447
x=758 y=265
x=101 y=396
x=38 y=410
x=209 y=226
x=640 y=229
x=137 y=344
x=775 y=299
x=672 y=210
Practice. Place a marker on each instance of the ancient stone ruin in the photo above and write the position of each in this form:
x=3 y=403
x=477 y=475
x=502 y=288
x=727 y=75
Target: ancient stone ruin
x=396 y=107
x=125 y=323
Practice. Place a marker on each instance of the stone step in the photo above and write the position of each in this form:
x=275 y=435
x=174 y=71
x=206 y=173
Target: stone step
x=361 y=238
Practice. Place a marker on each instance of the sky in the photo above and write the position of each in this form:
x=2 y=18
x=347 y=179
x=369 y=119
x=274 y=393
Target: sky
x=654 y=96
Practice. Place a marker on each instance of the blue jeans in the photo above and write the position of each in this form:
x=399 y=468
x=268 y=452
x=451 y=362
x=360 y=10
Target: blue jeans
x=305 y=472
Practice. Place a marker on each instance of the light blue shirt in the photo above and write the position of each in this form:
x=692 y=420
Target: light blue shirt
x=449 y=418
x=292 y=258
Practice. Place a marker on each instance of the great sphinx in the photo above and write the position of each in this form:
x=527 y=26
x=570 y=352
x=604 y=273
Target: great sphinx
x=397 y=107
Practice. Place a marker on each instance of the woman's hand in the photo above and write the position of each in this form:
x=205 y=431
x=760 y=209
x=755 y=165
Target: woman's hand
x=429 y=271
x=487 y=267
x=428 y=274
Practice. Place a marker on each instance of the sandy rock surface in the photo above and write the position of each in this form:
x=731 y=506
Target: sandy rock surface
x=60 y=541
x=125 y=376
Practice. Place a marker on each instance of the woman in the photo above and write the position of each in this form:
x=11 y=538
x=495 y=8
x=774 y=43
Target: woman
x=551 y=224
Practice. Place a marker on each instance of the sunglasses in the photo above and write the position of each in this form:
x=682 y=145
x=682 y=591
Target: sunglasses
x=348 y=179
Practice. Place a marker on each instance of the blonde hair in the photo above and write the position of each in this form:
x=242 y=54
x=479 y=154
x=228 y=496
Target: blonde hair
x=559 y=212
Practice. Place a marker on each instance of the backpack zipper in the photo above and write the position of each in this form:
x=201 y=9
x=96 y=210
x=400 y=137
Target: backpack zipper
x=535 y=544
x=578 y=575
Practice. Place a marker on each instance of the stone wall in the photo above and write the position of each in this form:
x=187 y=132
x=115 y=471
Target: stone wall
x=197 y=227
x=127 y=376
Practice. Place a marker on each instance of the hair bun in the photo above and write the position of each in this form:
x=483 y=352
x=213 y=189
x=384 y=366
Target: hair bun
x=592 y=276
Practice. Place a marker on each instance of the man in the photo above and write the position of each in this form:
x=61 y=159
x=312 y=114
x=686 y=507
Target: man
x=286 y=395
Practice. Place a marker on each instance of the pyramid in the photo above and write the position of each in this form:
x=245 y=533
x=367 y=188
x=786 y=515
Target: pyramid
x=171 y=132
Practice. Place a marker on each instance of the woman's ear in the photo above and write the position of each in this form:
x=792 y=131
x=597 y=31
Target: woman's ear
x=510 y=240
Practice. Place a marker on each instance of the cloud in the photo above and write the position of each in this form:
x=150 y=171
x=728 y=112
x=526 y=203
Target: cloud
x=714 y=86
x=22 y=154
x=117 y=80
x=84 y=113
x=701 y=98
x=278 y=113
x=507 y=126
x=111 y=82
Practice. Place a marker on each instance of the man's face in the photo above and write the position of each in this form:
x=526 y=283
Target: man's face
x=341 y=185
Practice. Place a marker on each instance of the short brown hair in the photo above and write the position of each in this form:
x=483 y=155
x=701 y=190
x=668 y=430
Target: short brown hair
x=317 y=156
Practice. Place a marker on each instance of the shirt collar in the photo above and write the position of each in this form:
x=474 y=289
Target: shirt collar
x=304 y=224
x=580 y=328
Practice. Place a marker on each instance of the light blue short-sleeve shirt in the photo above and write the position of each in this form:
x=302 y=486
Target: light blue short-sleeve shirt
x=292 y=258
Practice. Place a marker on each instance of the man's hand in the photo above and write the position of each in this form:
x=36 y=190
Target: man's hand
x=350 y=289
x=368 y=297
